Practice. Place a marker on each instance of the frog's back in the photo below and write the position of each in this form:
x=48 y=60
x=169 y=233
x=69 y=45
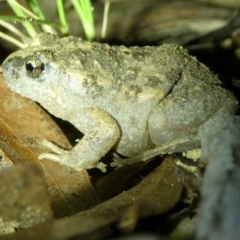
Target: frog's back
x=138 y=70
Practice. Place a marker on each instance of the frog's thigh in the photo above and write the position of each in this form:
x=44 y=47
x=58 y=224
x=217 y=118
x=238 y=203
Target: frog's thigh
x=176 y=120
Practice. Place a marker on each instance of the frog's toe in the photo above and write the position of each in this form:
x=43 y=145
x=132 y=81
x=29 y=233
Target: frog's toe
x=53 y=147
x=101 y=166
x=65 y=159
x=58 y=154
x=118 y=161
x=68 y=158
x=50 y=156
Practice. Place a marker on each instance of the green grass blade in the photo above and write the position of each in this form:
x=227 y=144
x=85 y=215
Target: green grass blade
x=88 y=9
x=28 y=19
x=62 y=17
x=35 y=8
x=19 y=12
x=85 y=16
x=25 y=10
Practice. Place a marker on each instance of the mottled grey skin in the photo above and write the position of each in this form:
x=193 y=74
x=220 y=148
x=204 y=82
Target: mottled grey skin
x=132 y=99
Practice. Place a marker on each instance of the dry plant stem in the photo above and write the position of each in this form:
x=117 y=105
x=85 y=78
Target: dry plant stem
x=105 y=19
x=12 y=29
x=12 y=40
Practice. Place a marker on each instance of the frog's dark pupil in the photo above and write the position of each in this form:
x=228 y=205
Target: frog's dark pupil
x=34 y=66
x=30 y=67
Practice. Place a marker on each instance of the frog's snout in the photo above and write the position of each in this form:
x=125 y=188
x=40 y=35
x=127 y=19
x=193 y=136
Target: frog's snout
x=11 y=72
x=6 y=68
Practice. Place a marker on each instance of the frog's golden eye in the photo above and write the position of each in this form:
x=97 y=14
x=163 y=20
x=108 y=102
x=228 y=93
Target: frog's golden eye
x=34 y=66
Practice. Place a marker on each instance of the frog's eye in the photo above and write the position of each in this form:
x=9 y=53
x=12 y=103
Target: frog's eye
x=34 y=66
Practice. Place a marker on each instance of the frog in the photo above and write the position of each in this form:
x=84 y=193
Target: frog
x=138 y=101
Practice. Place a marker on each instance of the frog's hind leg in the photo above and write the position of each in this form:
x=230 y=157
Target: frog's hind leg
x=143 y=156
x=174 y=124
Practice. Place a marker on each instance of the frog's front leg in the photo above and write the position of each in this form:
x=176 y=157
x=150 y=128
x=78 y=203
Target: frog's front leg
x=101 y=132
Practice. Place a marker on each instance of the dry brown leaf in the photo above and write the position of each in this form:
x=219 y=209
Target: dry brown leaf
x=156 y=194
x=115 y=182
x=23 y=127
x=157 y=22
x=24 y=200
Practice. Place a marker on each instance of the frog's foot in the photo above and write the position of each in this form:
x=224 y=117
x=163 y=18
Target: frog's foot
x=118 y=161
x=68 y=158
